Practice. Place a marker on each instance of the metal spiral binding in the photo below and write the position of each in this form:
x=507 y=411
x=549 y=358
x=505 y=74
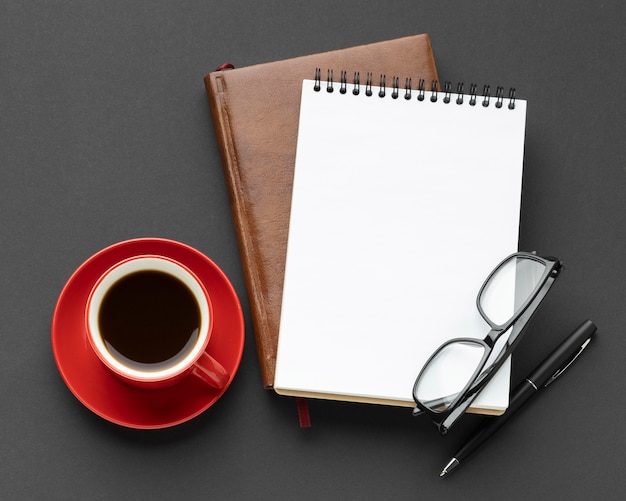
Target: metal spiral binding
x=357 y=84
x=382 y=86
x=420 y=90
x=512 y=98
x=499 y=96
x=447 y=92
x=368 y=84
x=435 y=90
x=486 y=90
x=407 y=87
x=459 y=93
x=472 y=94
x=396 y=88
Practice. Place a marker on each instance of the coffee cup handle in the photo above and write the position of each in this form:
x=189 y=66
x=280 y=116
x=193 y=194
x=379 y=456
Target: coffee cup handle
x=210 y=371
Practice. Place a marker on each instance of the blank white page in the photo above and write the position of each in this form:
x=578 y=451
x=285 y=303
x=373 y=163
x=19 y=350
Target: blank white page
x=400 y=210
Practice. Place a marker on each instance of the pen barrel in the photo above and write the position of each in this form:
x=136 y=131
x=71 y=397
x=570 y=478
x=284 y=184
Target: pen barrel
x=523 y=392
x=492 y=424
x=556 y=360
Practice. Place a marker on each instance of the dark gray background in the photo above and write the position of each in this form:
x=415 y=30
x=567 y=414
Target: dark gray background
x=105 y=135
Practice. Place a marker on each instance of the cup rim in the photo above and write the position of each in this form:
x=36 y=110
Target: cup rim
x=135 y=264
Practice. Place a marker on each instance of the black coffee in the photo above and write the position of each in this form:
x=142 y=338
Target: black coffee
x=149 y=317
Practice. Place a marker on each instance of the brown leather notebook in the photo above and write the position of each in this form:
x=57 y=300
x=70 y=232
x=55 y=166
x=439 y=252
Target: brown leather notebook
x=255 y=110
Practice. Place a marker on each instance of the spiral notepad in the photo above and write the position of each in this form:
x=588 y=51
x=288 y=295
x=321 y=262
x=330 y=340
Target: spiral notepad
x=405 y=196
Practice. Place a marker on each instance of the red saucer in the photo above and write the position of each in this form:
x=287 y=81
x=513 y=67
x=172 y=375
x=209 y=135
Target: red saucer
x=106 y=395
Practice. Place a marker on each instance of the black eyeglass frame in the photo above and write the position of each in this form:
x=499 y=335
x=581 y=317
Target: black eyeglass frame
x=518 y=322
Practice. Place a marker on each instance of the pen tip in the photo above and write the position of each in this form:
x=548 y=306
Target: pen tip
x=452 y=464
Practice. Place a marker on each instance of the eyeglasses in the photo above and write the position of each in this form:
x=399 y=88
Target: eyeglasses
x=460 y=368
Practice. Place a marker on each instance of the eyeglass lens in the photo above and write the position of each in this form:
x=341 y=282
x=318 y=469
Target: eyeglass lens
x=447 y=374
x=509 y=288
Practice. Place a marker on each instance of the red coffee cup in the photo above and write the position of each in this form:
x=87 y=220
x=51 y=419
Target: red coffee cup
x=149 y=320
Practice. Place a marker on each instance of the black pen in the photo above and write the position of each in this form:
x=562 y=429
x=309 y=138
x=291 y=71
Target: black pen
x=546 y=372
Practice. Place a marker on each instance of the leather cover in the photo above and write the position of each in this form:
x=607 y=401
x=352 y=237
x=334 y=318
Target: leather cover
x=255 y=111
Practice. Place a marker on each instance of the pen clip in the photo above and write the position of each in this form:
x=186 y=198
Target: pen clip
x=570 y=362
